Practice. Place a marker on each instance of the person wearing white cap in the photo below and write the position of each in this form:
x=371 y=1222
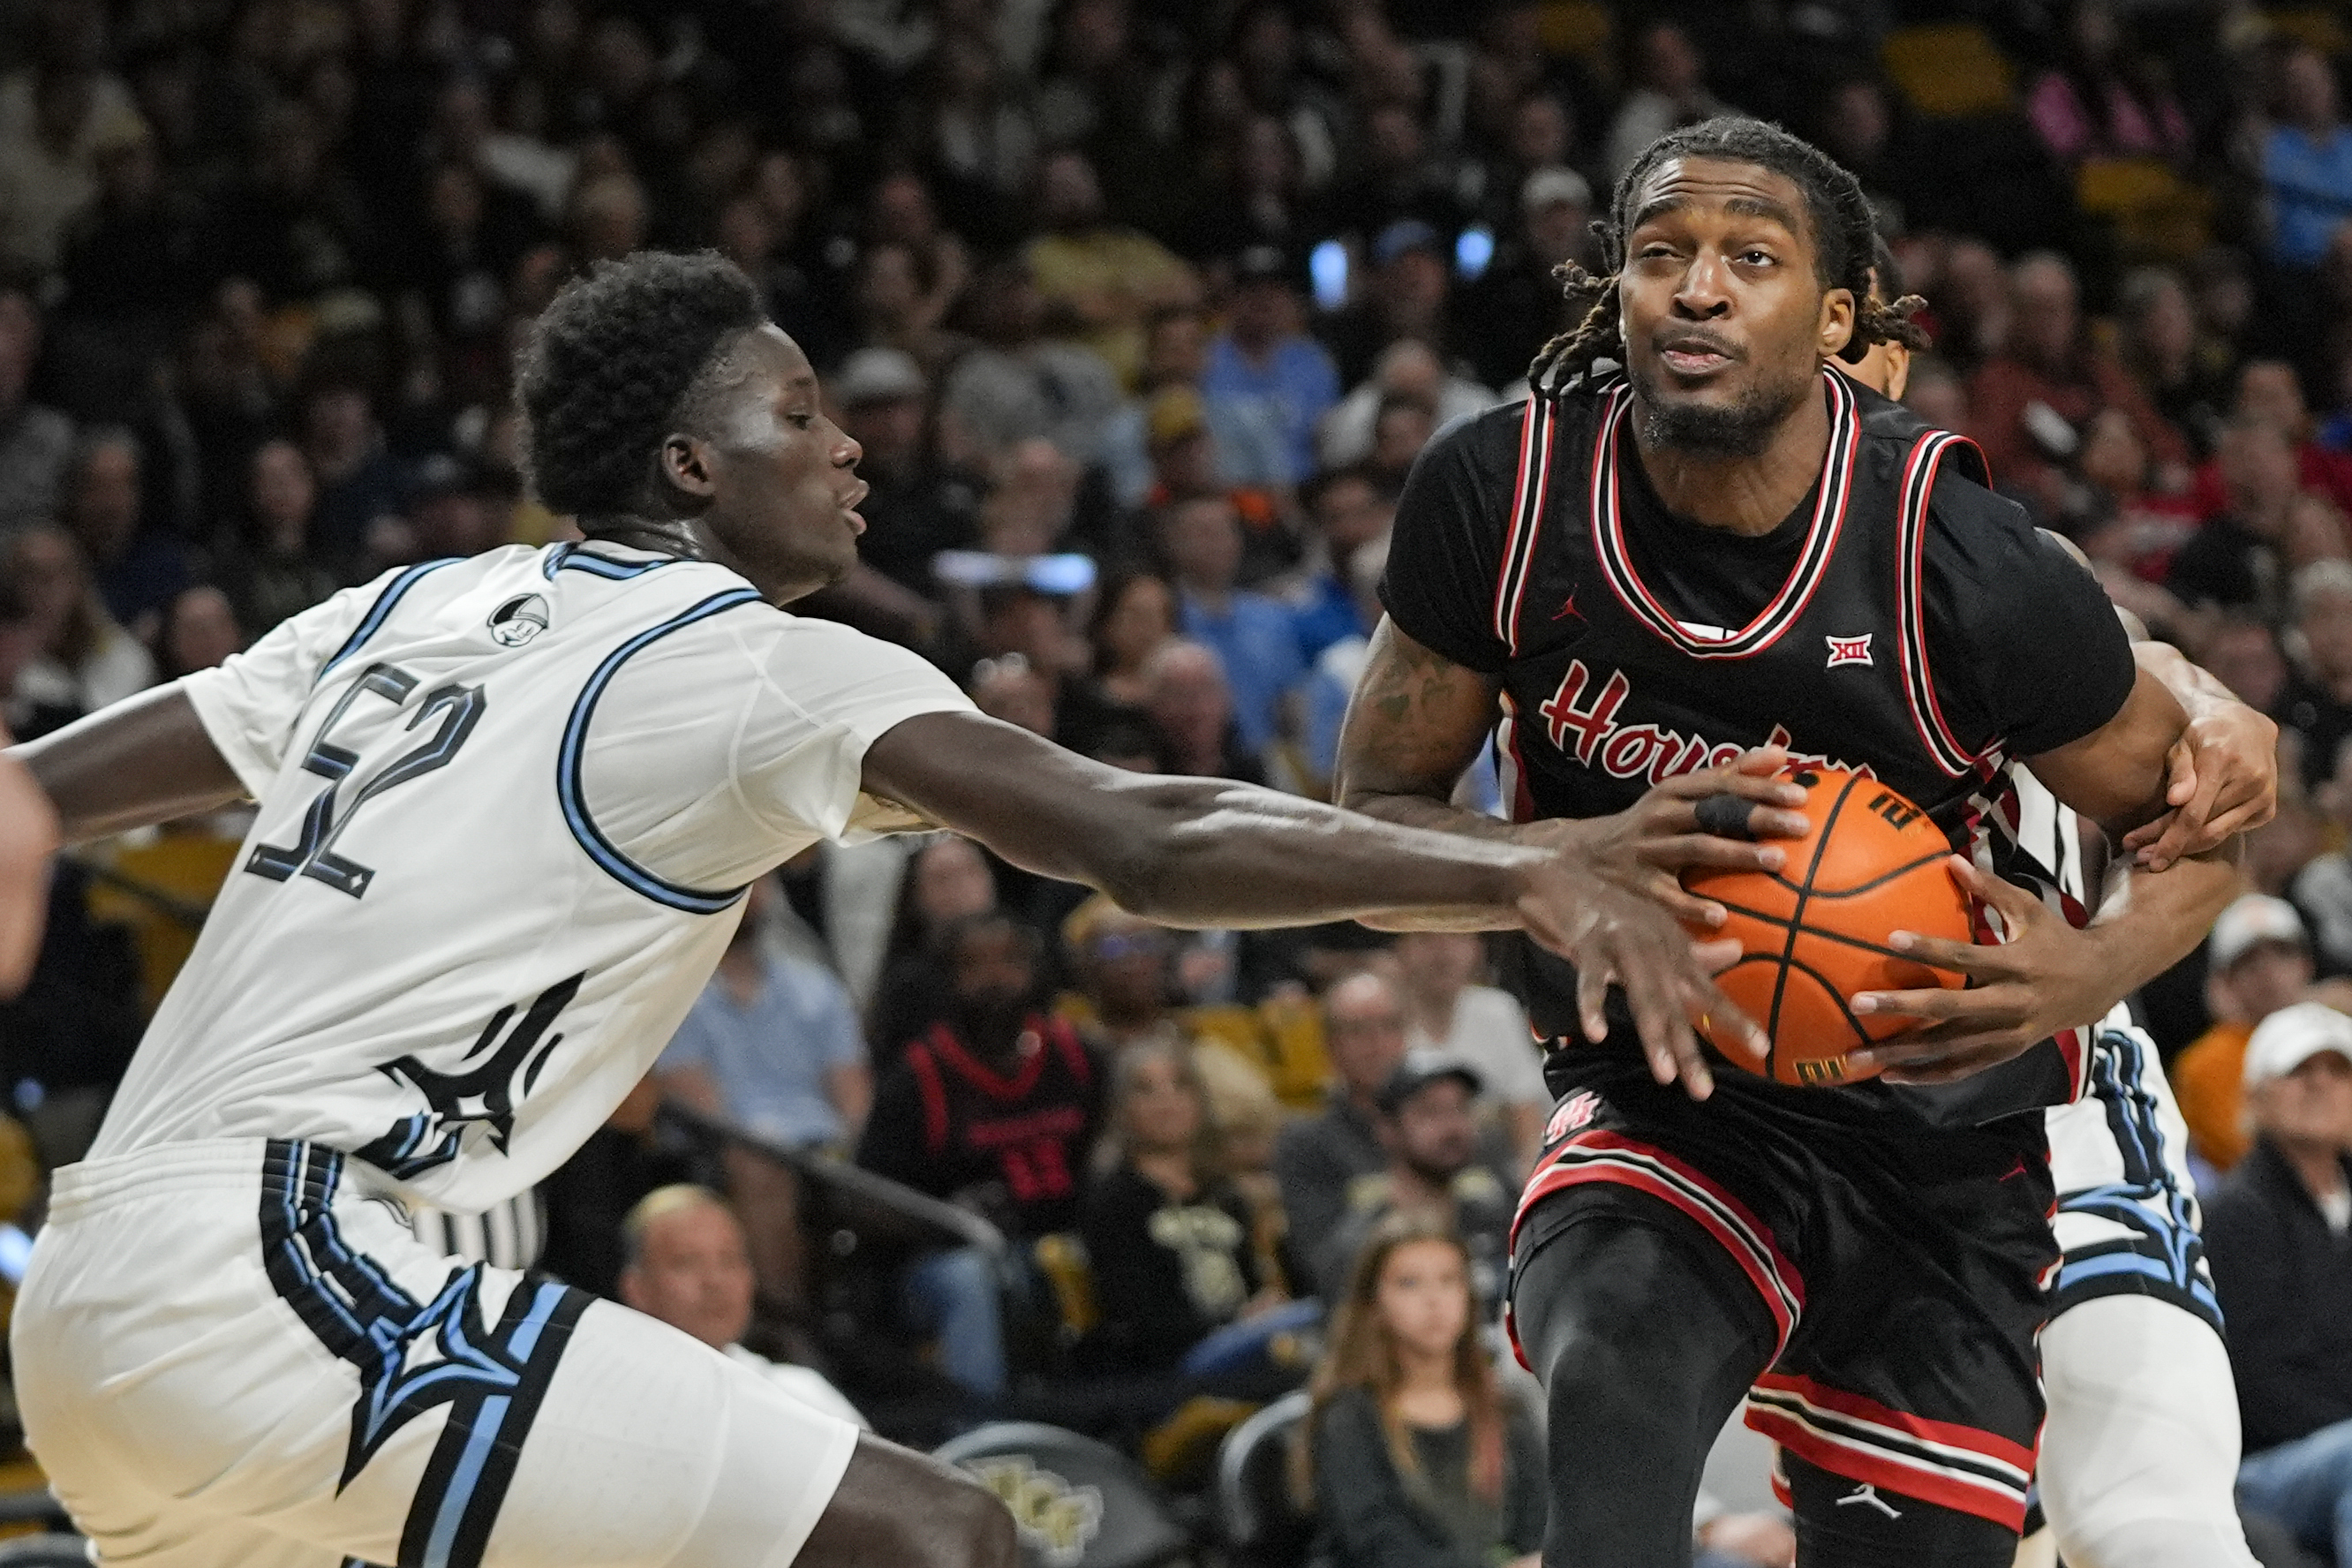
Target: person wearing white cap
x=2279 y=1231
x=2258 y=960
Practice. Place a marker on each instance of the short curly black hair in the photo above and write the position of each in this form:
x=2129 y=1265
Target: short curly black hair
x=609 y=364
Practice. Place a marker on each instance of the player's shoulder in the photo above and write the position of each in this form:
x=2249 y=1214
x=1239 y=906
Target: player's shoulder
x=1962 y=505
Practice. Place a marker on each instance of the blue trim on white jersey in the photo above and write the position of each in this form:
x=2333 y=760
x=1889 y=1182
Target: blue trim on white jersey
x=569 y=789
x=2164 y=1255
x=569 y=556
x=385 y=602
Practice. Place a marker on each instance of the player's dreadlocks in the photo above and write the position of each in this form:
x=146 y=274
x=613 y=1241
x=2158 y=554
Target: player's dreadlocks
x=1844 y=236
x=608 y=365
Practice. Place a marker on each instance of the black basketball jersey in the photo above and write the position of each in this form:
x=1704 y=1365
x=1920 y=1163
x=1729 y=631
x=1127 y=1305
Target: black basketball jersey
x=1903 y=622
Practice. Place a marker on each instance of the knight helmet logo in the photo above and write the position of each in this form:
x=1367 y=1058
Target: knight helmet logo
x=519 y=620
x=1848 y=650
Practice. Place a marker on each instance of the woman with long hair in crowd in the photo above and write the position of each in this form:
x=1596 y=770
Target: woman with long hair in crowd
x=85 y=660
x=1413 y=1458
x=946 y=879
x=1171 y=1240
x=1134 y=615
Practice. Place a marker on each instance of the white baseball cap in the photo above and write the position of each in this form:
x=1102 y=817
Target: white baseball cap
x=2292 y=1037
x=2250 y=921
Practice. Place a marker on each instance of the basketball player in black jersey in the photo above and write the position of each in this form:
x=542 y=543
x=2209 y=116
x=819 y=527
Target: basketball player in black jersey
x=1698 y=544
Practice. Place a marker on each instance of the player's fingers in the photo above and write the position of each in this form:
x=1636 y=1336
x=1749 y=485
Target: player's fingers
x=1728 y=1025
x=2181 y=771
x=2148 y=832
x=1935 y=1004
x=1721 y=813
x=1592 y=997
x=1978 y=961
x=1688 y=851
x=1762 y=760
x=1653 y=990
x=1714 y=957
x=1763 y=788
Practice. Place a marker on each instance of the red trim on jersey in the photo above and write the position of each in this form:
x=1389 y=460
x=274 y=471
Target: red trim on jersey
x=1918 y=490
x=1787 y=606
x=1529 y=489
x=982 y=1076
x=1597 y=1155
x=934 y=1093
x=1864 y=1465
x=1975 y=1440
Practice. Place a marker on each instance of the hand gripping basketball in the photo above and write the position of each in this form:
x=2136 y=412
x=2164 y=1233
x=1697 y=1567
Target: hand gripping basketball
x=1818 y=928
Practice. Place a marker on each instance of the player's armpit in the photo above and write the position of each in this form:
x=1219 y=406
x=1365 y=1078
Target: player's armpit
x=142 y=761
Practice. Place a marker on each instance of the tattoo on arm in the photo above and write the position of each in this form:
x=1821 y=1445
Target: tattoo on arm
x=1417 y=722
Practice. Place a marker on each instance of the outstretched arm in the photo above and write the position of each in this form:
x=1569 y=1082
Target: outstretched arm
x=1191 y=851
x=2223 y=768
x=142 y=761
x=28 y=832
x=2048 y=976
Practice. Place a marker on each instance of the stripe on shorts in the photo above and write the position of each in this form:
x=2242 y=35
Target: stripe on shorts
x=1961 y=1467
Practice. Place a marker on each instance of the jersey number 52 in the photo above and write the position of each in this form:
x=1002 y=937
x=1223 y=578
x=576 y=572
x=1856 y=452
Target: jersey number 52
x=460 y=708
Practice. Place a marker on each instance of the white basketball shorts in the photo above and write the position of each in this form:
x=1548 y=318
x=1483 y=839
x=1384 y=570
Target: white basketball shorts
x=230 y=1355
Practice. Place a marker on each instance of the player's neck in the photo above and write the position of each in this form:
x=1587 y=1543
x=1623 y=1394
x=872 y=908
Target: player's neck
x=1741 y=494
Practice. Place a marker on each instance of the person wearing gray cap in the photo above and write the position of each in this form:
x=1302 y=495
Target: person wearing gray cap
x=1514 y=306
x=2258 y=960
x=2278 y=1231
x=1428 y=1125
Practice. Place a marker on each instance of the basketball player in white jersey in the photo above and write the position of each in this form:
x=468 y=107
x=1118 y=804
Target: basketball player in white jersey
x=508 y=808
x=2138 y=1459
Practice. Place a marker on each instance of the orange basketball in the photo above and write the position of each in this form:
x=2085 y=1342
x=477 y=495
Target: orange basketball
x=1815 y=932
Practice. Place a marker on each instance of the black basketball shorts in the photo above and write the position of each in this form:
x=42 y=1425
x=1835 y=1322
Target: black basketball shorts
x=1904 y=1265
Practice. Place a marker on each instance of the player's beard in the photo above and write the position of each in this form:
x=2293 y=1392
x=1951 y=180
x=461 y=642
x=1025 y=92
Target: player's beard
x=1742 y=429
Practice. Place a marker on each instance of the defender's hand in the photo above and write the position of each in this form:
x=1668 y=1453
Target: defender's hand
x=1615 y=937
x=2221 y=779
x=2045 y=978
x=1646 y=847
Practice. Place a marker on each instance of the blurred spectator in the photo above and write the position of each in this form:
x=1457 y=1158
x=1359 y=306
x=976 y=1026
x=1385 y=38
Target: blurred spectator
x=1188 y=463
x=84 y=659
x=1134 y=617
x=56 y=121
x=2233 y=559
x=2268 y=391
x=2306 y=158
x=1670 y=91
x=589 y=1196
x=773 y=1042
x=901 y=301
x=1415 y=1458
x=36 y=443
x=1409 y=369
x=912 y=511
x=1972 y=300
x=137 y=571
x=1408 y=298
x=1429 y=1126
x=971 y=128
x=2183 y=377
x=1400 y=174
x=1401 y=427
x=1175 y=353
x=2322 y=889
x=1318 y=1159
x=946 y=880
x=358 y=483
x=2316 y=705
x=2028 y=405
x=1012 y=689
x=1516 y=306
x=1263 y=371
x=1254 y=637
x=1331 y=685
x=1168 y=1240
x=996 y=1107
x=1192 y=712
x=198 y=630
x=1349 y=512
x=2278 y=1232
x=2123 y=527
x=685 y=1264
x=1254 y=193
x=2100 y=103
x=2243 y=653
x=1020 y=384
x=270 y=572
x=2258 y=960
x=1099 y=280
x=1448 y=1009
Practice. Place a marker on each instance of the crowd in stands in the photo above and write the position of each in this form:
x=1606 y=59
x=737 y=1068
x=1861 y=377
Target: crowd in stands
x=1141 y=310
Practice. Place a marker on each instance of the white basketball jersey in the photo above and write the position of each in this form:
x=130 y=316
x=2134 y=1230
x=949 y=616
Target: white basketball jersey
x=508 y=808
